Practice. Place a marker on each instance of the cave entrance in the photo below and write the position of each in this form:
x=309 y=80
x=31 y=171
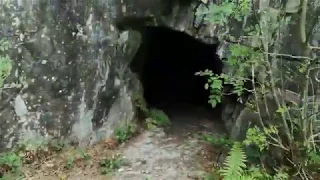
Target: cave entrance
x=166 y=63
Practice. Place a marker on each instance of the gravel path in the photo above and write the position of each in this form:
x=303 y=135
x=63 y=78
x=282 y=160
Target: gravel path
x=168 y=156
x=153 y=156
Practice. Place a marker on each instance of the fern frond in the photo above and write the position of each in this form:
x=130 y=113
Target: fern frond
x=234 y=165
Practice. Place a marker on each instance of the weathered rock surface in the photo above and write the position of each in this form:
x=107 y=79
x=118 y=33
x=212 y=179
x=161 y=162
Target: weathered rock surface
x=70 y=67
x=72 y=72
x=70 y=76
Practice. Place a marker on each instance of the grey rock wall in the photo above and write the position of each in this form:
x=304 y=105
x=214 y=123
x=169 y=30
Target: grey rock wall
x=70 y=72
x=70 y=77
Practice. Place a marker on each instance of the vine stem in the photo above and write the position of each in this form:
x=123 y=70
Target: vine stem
x=306 y=52
x=303 y=20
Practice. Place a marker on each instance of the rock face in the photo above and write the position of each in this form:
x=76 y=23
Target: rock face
x=70 y=72
x=70 y=77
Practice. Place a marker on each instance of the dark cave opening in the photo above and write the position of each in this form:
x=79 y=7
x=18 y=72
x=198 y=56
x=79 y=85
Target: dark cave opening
x=166 y=63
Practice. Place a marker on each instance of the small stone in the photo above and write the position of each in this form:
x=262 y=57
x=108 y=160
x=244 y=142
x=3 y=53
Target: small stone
x=50 y=165
x=187 y=152
x=120 y=170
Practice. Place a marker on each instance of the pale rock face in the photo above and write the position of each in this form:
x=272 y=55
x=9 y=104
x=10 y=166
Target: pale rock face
x=71 y=67
x=71 y=84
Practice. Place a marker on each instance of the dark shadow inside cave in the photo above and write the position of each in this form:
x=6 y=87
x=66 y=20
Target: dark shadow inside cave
x=166 y=63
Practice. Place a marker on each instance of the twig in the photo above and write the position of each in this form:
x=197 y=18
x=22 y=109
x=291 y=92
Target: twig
x=278 y=145
x=314 y=47
x=290 y=56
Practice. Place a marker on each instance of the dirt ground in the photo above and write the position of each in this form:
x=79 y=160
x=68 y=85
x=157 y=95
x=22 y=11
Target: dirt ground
x=169 y=154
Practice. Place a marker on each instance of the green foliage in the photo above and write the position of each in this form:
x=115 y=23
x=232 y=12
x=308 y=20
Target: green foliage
x=234 y=164
x=314 y=157
x=220 y=14
x=292 y=129
x=11 y=160
x=241 y=60
x=235 y=168
x=140 y=103
x=5 y=61
x=84 y=155
x=258 y=137
x=155 y=117
x=158 y=117
x=109 y=165
x=122 y=134
x=216 y=140
x=10 y=166
x=69 y=163
x=12 y=176
x=38 y=146
x=214 y=84
x=151 y=123
x=74 y=155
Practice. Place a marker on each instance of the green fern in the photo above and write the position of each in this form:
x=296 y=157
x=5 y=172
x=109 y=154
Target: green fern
x=234 y=165
x=235 y=168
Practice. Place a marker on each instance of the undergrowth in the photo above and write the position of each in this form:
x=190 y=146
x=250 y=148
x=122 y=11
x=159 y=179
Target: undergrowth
x=153 y=117
x=123 y=134
x=26 y=153
x=14 y=164
x=282 y=134
x=109 y=165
